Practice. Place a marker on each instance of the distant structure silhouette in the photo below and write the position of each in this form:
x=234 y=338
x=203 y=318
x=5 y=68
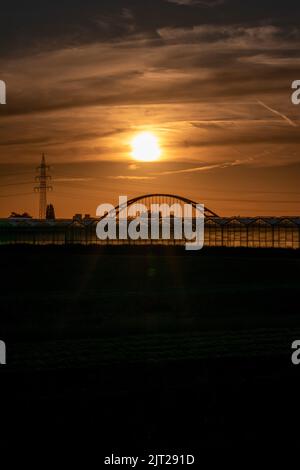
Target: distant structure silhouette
x=15 y=215
x=43 y=187
x=50 y=212
x=236 y=231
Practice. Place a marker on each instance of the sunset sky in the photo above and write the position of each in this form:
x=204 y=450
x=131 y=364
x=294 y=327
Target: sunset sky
x=210 y=79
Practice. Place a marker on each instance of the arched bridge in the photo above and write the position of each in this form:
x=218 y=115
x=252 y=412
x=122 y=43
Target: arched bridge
x=170 y=199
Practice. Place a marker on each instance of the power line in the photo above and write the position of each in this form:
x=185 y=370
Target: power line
x=7 y=175
x=16 y=194
x=15 y=184
x=73 y=196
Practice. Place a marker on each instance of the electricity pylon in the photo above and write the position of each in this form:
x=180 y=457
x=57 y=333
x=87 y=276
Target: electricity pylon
x=43 y=186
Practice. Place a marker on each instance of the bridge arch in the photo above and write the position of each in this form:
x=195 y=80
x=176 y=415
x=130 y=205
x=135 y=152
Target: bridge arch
x=161 y=198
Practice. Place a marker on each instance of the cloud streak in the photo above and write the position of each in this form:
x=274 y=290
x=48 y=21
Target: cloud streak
x=277 y=113
x=205 y=3
x=125 y=177
x=202 y=168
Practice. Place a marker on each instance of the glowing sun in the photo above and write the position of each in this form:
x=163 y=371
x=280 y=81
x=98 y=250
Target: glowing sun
x=145 y=147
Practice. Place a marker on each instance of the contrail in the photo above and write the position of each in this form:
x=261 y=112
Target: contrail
x=200 y=168
x=283 y=116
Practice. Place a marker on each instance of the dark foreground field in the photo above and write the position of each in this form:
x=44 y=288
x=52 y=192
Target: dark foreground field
x=130 y=351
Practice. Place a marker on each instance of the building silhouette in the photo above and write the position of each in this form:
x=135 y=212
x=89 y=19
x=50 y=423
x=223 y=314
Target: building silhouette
x=50 y=212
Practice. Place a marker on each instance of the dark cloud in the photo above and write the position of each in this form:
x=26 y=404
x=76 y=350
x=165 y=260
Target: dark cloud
x=203 y=3
x=34 y=26
x=249 y=63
